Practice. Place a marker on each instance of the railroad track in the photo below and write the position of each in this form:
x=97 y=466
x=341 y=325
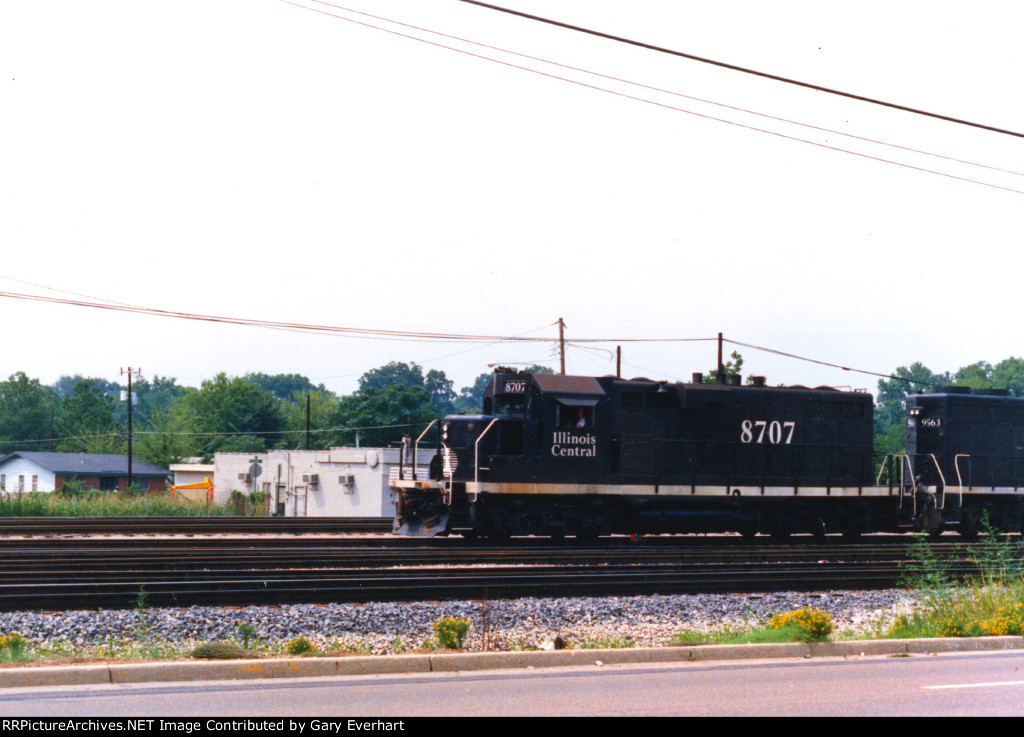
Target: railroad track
x=95 y=573
x=192 y=525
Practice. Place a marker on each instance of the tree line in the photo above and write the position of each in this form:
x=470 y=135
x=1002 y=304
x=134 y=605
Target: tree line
x=250 y=413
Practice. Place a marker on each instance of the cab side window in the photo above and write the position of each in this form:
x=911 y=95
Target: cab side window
x=574 y=416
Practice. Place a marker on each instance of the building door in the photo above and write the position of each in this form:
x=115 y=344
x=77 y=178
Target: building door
x=299 y=501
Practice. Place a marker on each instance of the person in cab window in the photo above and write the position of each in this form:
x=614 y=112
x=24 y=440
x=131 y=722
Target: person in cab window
x=582 y=421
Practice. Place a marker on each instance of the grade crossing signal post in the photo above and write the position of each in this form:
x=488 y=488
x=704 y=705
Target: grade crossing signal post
x=255 y=469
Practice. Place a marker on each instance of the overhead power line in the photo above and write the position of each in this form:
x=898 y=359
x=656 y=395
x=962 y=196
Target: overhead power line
x=253 y=322
x=372 y=333
x=665 y=91
x=351 y=332
x=826 y=363
x=747 y=70
x=654 y=102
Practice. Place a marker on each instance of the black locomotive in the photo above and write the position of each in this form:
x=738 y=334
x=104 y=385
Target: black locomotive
x=967 y=448
x=585 y=456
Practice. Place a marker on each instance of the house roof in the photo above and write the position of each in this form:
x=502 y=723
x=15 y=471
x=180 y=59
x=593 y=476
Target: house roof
x=88 y=464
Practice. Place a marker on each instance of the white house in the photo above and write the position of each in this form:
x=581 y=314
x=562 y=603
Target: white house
x=27 y=471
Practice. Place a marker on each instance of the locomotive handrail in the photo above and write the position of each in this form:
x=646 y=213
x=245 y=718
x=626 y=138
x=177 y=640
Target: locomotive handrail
x=959 y=477
x=913 y=483
x=903 y=469
x=416 y=448
x=942 y=478
x=476 y=453
x=903 y=478
x=882 y=467
x=447 y=474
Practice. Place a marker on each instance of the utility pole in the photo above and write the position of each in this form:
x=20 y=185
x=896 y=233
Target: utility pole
x=132 y=372
x=307 y=422
x=721 y=366
x=561 y=345
x=618 y=361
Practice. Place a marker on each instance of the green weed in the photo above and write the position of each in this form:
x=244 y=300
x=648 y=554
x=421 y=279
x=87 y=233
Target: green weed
x=451 y=632
x=989 y=604
x=299 y=646
x=246 y=633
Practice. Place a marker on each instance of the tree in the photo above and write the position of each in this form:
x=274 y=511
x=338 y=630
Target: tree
x=323 y=406
x=438 y=387
x=284 y=386
x=226 y=407
x=88 y=418
x=892 y=441
x=1007 y=374
x=889 y=408
x=26 y=409
x=471 y=398
x=442 y=394
x=153 y=398
x=383 y=416
x=65 y=385
x=392 y=374
x=732 y=368
x=164 y=440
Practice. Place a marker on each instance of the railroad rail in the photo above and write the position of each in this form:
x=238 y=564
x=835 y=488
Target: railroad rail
x=94 y=573
x=192 y=525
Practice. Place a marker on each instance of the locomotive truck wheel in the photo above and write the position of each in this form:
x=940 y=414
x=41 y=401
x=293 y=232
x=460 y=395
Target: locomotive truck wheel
x=749 y=524
x=931 y=520
x=970 y=522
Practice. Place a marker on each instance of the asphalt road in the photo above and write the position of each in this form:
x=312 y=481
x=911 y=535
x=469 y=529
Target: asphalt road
x=960 y=684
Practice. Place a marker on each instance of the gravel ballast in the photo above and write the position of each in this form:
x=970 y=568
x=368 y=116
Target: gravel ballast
x=645 y=621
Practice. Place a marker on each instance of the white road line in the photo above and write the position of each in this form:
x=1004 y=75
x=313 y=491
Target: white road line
x=979 y=685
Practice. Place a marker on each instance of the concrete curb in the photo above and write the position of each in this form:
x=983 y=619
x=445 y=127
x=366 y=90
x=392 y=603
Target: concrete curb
x=206 y=670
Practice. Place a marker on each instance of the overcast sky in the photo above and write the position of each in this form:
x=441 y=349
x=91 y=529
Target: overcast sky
x=258 y=159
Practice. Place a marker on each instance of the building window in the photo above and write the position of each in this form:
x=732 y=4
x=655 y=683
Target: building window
x=3 y=482
x=35 y=483
x=21 y=482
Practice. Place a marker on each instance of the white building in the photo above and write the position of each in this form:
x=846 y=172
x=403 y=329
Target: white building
x=191 y=471
x=340 y=482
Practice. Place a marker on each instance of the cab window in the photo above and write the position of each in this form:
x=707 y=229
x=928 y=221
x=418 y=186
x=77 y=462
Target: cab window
x=574 y=415
x=514 y=405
